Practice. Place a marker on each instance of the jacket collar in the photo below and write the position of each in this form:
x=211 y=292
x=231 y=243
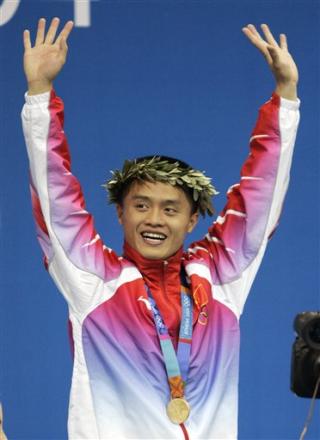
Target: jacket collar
x=150 y=268
x=145 y=263
x=158 y=273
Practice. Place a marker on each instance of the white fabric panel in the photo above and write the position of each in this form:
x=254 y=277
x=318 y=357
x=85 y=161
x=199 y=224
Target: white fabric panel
x=80 y=426
x=288 y=118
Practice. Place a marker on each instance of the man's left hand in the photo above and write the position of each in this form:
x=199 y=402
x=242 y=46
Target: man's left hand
x=279 y=59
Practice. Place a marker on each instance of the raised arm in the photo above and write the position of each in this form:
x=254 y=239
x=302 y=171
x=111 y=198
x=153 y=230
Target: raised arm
x=74 y=253
x=234 y=246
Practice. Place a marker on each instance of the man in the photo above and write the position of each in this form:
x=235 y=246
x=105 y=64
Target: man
x=155 y=331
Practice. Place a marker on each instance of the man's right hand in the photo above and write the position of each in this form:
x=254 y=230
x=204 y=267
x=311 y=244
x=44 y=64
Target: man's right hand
x=2 y=434
x=43 y=61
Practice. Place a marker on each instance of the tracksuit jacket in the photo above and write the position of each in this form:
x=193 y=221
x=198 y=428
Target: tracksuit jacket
x=119 y=385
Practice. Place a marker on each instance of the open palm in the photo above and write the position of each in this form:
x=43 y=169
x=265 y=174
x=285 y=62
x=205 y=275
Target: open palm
x=45 y=59
x=278 y=58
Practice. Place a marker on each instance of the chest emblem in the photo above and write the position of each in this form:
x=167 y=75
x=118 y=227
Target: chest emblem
x=146 y=301
x=203 y=316
x=201 y=299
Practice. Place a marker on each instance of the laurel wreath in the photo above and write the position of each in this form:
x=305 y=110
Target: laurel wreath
x=160 y=170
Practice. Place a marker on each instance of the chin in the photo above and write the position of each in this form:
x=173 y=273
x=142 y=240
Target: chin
x=153 y=255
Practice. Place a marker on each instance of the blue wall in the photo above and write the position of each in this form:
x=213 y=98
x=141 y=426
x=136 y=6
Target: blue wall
x=176 y=77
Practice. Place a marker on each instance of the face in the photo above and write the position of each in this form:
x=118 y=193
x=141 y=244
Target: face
x=156 y=218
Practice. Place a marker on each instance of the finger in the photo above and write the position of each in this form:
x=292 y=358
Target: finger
x=52 y=30
x=26 y=40
x=40 y=31
x=251 y=32
x=273 y=53
x=254 y=31
x=64 y=34
x=283 y=42
x=63 y=44
x=268 y=35
x=257 y=41
x=251 y=35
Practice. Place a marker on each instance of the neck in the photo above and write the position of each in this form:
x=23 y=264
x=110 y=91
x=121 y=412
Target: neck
x=139 y=260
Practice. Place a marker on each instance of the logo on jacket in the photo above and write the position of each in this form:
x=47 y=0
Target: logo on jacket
x=146 y=301
x=203 y=316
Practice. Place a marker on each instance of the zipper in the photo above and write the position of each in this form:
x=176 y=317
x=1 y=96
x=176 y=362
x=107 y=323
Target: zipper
x=163 y=285
x=164 y=270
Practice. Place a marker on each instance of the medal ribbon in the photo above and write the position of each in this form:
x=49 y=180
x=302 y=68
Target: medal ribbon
x=177 y=364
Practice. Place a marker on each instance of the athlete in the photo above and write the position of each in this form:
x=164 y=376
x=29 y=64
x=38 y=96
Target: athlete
x=156 y=330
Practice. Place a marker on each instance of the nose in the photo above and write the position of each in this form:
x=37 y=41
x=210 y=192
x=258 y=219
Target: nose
x=154 y=217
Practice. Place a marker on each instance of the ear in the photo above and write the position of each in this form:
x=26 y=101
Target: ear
x=119 y=213
x=193 y=221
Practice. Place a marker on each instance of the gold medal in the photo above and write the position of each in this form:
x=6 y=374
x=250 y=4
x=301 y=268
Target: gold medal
x=178 y=410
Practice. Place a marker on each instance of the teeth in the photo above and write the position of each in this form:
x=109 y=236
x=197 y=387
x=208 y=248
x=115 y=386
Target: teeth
x=153 y=236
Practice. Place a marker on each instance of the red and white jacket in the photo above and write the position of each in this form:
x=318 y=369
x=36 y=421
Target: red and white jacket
x=119 y=385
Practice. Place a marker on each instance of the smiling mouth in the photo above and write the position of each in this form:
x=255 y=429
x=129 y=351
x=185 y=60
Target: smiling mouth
x=153 y=238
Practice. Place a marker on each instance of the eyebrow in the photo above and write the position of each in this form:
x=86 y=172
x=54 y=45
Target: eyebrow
x=163 y=202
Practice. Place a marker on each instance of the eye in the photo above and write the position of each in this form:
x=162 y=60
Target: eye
x=141 y=206
x=170 y=211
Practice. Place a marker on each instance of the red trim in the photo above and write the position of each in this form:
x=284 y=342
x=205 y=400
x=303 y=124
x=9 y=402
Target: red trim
x=185 y=340
x=185 y=432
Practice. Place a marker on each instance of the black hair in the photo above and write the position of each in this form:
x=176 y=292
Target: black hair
x=184 y=165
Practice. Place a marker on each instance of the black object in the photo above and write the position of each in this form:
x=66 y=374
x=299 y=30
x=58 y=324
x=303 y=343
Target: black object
x=305 y=359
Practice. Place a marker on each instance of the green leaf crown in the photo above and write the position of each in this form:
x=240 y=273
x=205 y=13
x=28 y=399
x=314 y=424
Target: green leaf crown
x=159 y=169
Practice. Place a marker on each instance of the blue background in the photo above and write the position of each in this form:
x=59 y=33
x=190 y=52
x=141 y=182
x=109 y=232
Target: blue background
x=171 y=77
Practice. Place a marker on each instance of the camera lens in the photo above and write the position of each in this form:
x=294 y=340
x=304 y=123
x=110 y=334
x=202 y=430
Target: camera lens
x=307 y=326
x=314 y=332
